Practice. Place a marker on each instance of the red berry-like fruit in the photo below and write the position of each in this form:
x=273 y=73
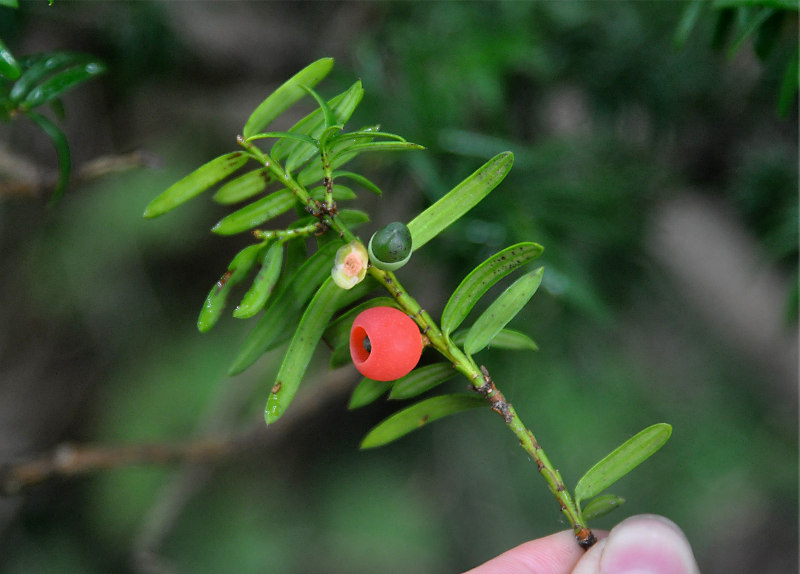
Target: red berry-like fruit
x=385 y=343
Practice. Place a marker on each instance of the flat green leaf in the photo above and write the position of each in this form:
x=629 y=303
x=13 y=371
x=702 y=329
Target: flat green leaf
x=286 y=95
x=61 y=82
x=284 y=308
x=9 y=67
x=507 y=339
x=338 y=332
x=10 y=3
x=243 y=187
x=359 y=179
x=409 y=419
x=501 y=311
x=783 y=4
x=481 y=279
x=602 y=505
x=769 y=34
x=312 y=324
x=313 y=125
x=256 y=213
x=327 y=113
x=353 y=217
x=313 y=171
x=285 y=136
x=622 y=460
x=789 y=87
x=217 y=298
x=340 y=193
x=460 y=199
x=749 y=26
x=340 y=357
x=40 y=66
x=688 y=21
x=372 y=132
x=195 y=183
x=62 y=152
x=377 y=146
x=367 y=392
x=422 y=379
x=256 y=297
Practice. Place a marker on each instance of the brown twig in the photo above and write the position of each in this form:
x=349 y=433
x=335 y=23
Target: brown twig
x=20 y=177
x=72 y=460
x=69 y=460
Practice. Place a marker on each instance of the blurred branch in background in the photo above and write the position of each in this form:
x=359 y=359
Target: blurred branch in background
x=216 y=444
x=20 y=177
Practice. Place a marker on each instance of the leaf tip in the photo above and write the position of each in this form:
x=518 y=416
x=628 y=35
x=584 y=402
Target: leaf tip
x=272 y=411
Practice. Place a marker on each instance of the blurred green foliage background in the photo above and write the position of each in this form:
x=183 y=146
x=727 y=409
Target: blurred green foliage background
x=660 y=179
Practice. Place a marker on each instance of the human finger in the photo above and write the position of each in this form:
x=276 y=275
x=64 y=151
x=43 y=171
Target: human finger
x=643 y=544
x=554 y=554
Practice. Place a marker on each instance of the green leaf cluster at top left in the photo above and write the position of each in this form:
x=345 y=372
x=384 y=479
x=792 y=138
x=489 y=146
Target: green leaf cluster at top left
x=40 y=80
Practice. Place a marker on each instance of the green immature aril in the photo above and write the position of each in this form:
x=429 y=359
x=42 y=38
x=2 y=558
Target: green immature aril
x=390 y=247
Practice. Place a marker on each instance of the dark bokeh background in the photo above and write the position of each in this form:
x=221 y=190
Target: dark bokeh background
x=660 y=179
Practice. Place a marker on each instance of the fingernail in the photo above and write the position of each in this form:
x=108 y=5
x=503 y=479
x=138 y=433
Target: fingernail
x=647 y=544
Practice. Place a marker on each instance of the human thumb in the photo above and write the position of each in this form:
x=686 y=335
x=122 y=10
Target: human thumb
x=644 y=544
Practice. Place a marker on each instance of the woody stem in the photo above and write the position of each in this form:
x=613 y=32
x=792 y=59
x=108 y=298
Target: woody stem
x=483 y=384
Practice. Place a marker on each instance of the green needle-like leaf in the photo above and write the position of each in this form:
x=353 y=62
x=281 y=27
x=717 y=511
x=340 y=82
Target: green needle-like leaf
x=217 y=298
x=196 y=183
x=263 y=284
x=256 y=213
x=409 y=419
x=313 y=125
x=378 y=146
x=482 y=278
x=622 y=460
x=285 y=307
x=9 y=67
x=59 y=83
x=688 y=20
x=313 y=171
x=286 y=95
x=360 y=179
x=285 y=136
x=353 y=217
x=340 y=193
x=501 y=311
x=243 y=187
x=340 y=357
x=460 y=199
x=602 y=505
x=327 y=112
x=301 y=348
x=789 y=87
x=506 y=339
x=62 y=152
x=40 y=66
x=750 y=26
x=367 y=392
x=422 y=379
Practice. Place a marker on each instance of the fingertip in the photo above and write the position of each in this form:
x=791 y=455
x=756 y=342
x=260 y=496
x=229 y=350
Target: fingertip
x=643 y=544
x=554 y=554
